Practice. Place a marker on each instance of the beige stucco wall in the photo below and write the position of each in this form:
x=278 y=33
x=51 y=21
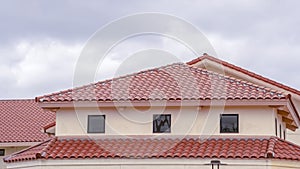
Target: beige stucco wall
x=153 y=164
x=253 y=120
x=8 y=151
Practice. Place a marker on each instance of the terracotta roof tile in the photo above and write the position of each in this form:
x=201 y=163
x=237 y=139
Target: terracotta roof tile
x=239 y=69
x=236 y=148
x=22 y=121
x=173 y=82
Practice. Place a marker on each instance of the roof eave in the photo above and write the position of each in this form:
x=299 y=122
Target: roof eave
x=19 y=144
x=159 y=103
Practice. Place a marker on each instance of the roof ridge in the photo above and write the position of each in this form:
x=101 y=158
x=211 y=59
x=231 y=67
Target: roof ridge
x=247 y=72
x=47 y=147
x=271 y=146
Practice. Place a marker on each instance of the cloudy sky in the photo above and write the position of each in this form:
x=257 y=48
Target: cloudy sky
x=41 y=41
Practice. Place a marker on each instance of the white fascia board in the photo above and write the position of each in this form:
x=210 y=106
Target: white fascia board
x=57 y=105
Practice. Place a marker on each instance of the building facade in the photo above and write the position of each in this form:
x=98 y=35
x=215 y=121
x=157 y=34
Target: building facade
x=203 y=114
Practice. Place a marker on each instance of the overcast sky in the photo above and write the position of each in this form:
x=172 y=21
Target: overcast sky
x=41 y=41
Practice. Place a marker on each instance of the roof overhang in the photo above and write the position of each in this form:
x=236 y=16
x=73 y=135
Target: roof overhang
x=18 y=144
x=159 y=103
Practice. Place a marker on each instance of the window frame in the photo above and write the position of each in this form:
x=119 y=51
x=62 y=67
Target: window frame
x=88 y=124
x=237 y=123
x=155 y=118
x=2 y=152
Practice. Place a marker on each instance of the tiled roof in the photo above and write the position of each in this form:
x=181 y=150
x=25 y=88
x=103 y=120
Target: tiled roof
x=172 y=82
x=226 y=148
x=239 y=69
x=22 y=121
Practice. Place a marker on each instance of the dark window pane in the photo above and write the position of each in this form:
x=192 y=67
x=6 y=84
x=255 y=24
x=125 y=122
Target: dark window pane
x=280 y=131
x=229 y=123
x=96 y=123
x=2 y=152
x=276 y=127
x=161 y=123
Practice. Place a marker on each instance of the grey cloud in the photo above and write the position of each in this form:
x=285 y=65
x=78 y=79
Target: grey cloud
x=262 y=36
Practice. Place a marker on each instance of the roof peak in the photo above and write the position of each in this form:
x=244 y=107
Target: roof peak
x=244 y=71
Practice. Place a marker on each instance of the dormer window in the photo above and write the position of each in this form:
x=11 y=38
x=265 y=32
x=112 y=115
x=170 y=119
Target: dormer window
x=229 y=123
x=96 y=124
x=162 y=123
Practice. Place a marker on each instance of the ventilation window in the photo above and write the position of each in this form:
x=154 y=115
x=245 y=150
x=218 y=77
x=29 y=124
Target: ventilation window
x=162 y=123
x=280 y=131
x=96 y=124
x=2 y=152
x=229 y=123
x=276 y=127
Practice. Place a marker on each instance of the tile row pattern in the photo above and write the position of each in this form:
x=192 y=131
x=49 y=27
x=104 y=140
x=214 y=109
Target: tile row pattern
x=22 y=121
x=172 y=82
x=226 y=148
x=239 y=69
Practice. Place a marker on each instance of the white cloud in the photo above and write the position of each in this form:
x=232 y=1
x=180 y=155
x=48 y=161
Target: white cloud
x=140 y=53
x=43 y=66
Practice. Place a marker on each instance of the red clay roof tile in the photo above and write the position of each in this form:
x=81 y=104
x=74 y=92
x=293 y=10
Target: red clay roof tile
x=173 y=82
x=239 y=69
x=22 y=121
x=241 y=148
